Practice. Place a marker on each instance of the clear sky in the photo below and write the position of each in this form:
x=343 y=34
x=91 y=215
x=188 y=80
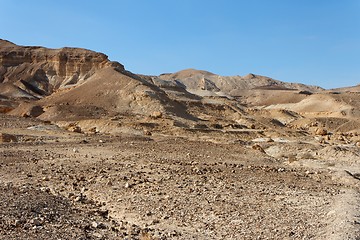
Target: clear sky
x=309 y=41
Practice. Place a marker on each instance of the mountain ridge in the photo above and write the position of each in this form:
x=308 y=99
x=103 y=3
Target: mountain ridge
x=195 y=80
x=75 y=84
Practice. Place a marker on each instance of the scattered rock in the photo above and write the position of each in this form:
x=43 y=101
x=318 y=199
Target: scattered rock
x=319 y=139
x=341 y=138
x=259 y=148
x=321 y=131
x=156 y=114
x=155 y=221
x=94 y=130
x=36 y=222
x=147 y=132
x=45 y=178
x=75 y=129
x=98 y=235
x=98 y=225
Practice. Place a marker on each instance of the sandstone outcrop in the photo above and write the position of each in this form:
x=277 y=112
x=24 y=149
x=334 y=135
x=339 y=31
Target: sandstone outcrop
x=41 y=71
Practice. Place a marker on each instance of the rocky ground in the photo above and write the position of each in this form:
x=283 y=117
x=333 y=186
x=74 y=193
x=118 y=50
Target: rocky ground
x=57 y=184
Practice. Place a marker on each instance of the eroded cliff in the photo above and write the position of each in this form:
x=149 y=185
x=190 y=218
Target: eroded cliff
x=40 y=71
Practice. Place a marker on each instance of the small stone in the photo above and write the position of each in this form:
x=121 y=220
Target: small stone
x=36 y=222
x=94 y=224
x=147 y=133
x=156 y=114
x=98 y=235
x=319 y=139
x=155 y=221
x=94 y=130
x=258 y=147
x=321 y=131
x=75 y=129
x=79 y=198
x=46 y=178
x=341 y=138
x=101 y=225
x=17 y=223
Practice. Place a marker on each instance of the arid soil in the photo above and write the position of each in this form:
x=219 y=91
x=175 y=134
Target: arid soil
x=62 y=185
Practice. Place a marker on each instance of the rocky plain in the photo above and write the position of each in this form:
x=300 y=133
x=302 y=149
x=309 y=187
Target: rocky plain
x=90 y=150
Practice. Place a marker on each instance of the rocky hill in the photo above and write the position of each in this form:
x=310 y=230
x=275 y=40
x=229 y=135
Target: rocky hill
x=70 y=83
x=73 y=84
x=40 y=71
x=206 y=83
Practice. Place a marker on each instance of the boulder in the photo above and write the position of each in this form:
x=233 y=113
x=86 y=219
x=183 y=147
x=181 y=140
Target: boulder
x=321 y=131
x=74 y=128
x=156 y=114
x=34 y=111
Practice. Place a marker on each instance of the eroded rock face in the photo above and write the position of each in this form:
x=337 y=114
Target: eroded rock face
x=40 y=71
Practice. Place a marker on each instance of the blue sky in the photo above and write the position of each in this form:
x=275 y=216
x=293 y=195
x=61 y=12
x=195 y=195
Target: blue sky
x=309 y=41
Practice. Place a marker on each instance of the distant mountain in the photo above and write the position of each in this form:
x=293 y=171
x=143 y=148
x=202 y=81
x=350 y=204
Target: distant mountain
x=347 y=89
x=198 y=81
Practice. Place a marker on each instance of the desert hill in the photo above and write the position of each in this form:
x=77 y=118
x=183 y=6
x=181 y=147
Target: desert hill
x=41 y=71
x=346 y=89
x=200 y=82
x=73 y=84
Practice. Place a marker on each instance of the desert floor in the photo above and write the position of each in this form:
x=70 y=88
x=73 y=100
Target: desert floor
x=57 y=184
